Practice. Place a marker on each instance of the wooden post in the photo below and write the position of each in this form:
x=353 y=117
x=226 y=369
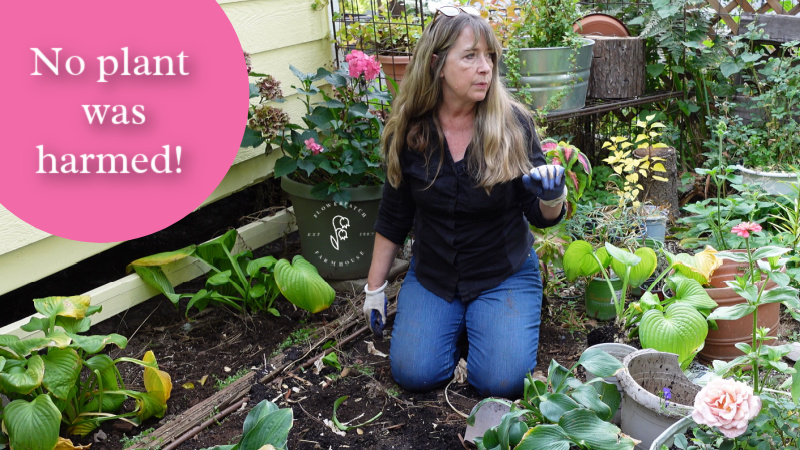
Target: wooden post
x=618 y=67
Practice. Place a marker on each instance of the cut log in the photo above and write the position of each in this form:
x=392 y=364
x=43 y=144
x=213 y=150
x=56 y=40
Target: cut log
x=662 y=193
x=780 y=28
x=618 y=67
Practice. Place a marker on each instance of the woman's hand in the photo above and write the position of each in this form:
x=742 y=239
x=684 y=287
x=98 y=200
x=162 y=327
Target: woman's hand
x=548 y=183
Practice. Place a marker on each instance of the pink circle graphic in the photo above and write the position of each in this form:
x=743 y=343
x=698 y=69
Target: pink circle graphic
x=118 y=118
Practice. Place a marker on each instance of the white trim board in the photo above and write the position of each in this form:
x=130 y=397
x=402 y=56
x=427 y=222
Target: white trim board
x=127 y=292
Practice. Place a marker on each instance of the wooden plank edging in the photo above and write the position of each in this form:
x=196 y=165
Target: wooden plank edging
x=129 y=291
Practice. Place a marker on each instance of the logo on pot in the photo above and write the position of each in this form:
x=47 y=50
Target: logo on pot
x=340 y=225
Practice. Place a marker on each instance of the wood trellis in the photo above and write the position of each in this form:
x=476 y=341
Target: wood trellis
x=727 y=12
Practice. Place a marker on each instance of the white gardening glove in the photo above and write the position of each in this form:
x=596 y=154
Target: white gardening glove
x=548 y=183
x=375 y=309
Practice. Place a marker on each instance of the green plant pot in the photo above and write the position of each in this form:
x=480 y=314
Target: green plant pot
x=338 y=241
x=599 y=301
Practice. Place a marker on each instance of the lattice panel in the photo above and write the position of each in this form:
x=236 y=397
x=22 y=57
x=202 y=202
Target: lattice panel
x=727 y=12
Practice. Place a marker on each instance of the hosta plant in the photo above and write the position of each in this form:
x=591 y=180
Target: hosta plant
x=676 y=324
x=562 y=413
x=238 y=281
x=235 y=280
x=60 y=377
x=266 y=427
x=582 y=260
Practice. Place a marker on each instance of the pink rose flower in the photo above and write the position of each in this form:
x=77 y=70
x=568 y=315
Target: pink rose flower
x=745 y=228
x=358 y=63
x=727 y=405
x=313 y=146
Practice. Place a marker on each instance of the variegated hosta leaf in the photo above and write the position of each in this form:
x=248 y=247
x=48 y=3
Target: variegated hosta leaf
x=301 y=284
x=74 y=306
x=681 y=329
x=25 y=347
x=699 y=267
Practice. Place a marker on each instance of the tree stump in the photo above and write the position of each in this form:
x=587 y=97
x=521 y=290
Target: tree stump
x=661 y=193
x=618 y=67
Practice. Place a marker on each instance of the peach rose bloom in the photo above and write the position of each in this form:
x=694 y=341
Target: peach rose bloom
x=727 y=405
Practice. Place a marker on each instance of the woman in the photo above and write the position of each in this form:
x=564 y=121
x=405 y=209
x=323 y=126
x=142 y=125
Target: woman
x=456 y=146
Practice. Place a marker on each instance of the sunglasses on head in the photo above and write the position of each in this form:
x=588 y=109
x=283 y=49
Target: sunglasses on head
x=452 y=11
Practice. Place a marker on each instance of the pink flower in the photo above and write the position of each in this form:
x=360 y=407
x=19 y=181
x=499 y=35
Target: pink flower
x=727 y=405
x=313 y=146
x=745 y=228
x=359 y=63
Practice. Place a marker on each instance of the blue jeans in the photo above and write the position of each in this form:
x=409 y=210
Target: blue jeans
x=502 y=329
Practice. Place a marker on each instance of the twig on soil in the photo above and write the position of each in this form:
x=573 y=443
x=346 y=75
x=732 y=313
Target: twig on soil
x=309 y=416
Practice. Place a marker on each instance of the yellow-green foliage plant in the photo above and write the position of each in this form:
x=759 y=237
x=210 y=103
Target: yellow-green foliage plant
x=631 y=168
x=60 y=377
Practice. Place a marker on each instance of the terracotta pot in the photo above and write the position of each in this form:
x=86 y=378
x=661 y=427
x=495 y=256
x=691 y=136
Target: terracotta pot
x=394 y=66
x=721 y=343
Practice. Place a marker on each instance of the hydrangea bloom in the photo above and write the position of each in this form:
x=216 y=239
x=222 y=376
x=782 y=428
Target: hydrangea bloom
x=727 y=405
x=359 y=63
x=312 y=145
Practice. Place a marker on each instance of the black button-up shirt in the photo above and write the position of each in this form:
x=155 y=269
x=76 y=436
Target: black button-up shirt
x=466 y=241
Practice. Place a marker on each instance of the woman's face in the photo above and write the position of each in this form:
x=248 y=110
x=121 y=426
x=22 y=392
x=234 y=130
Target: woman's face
x=467 y=72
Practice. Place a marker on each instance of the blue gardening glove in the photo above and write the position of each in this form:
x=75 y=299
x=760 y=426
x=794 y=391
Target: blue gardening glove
x=375 y=309
x=548 y=183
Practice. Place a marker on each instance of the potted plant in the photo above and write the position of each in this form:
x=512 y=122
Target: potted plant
x=605 y=297
x=545 y=61
x=331 y=165
x=391 y=36
x=762 y=111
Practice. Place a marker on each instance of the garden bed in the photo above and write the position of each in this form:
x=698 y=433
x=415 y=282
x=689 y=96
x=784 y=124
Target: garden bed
x=213 y=348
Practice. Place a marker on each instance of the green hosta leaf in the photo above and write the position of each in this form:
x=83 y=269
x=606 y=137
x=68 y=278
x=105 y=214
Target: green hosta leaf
x=681 y=329
x=155 y=277
x=689 y=291
x=641 y=271
x=796 y=384
x=32 y=425
x=301 y=284
x=75 y=306
x=621 y=256
x=553 y=406
x=62 y=367
x=544 y=437
x=24 y=347
x=599 y=363
x=254 y=267
x=344 y=427
x=96 y=343
x=579 y=260
x=699 y=267
x=23 y=380
x=266 y=424
x=587 y=396
x=609 y=394
x=732 y=312
x=585 y=428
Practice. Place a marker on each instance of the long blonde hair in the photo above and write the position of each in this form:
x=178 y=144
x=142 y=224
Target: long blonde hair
x=499 y=143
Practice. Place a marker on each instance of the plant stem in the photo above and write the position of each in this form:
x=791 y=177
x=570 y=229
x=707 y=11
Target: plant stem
x=755 y=315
